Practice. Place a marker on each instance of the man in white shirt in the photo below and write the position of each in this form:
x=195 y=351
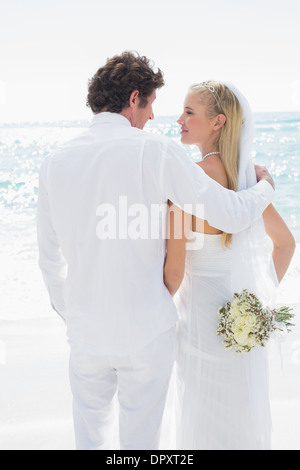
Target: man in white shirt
x=103 y=262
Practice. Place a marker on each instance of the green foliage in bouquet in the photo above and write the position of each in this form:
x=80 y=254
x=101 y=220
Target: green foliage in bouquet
x=246 y=323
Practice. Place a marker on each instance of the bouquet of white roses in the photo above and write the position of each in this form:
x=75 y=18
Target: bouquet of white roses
x=245 y=322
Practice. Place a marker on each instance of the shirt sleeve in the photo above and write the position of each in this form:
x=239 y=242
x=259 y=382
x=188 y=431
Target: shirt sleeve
x=51 y=260
x=189 y=187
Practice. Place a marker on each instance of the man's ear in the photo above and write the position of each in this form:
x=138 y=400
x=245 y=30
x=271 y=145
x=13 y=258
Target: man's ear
x=220 y=121
x=134 y=98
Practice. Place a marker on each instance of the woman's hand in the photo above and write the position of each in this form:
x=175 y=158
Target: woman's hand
x=263 y=174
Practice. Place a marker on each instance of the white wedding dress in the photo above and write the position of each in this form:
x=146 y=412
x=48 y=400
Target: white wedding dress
x=222 y=397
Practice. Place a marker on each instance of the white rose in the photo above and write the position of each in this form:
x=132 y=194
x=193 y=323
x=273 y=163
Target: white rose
x=240 y=322
x=234 y=311
x=244 y=307
x=246 y=329
x=235 y=328
x=250 y=320
x=241 y=338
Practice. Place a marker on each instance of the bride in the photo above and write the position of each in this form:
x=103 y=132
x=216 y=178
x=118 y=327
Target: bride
x=222 y=397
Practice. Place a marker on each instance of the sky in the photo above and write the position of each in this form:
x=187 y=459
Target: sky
x=50 y=48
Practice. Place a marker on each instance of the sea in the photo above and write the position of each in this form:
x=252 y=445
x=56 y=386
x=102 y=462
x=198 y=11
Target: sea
x=23 y=146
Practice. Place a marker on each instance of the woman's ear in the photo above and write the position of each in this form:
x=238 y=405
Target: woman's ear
x=220 y=121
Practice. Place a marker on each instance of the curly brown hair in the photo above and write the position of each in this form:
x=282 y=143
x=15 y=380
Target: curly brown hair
x=111 y=86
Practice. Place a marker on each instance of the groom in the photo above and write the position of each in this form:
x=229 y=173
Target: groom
x=104 y=276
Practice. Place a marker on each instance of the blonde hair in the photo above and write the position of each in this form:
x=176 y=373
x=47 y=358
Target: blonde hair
x=219 y=99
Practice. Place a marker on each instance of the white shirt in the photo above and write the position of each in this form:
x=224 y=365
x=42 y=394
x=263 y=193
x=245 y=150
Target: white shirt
x=103 y=273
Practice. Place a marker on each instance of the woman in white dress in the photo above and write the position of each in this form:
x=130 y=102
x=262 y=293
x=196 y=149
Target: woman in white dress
x=222 y=397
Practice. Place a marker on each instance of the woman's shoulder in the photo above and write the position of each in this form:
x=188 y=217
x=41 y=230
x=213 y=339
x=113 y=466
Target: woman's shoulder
x=214 y=168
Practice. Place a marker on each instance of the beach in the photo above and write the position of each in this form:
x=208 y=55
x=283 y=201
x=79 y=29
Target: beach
x=36 y=403
x=35 y=399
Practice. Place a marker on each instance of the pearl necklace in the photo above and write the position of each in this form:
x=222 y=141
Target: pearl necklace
x=211 y=153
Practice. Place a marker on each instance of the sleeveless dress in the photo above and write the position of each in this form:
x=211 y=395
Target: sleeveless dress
x=222 y=398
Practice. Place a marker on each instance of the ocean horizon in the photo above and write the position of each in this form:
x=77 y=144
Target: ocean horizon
x=83 y=122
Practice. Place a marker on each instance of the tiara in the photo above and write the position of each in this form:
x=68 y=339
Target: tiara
x=213 y=92
x=209 y=87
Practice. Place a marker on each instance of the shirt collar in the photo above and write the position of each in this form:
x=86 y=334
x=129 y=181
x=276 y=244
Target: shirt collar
x=113 y=118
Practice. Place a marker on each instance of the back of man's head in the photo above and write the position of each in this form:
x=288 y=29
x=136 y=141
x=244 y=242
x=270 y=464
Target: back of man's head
x=111 y=86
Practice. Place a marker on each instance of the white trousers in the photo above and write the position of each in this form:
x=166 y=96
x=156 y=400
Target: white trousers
x=141 y=380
